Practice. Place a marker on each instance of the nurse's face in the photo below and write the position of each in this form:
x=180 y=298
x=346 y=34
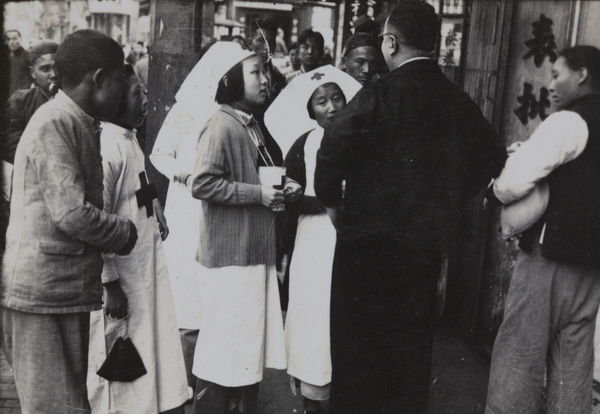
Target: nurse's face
x=255 y=82
x=326 y=101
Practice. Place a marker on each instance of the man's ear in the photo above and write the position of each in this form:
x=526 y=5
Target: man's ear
x=395 y=45
x=344 y=60
x=390 y=43
x=31 y=72
x=583 y=75
x=225 y=80
x=99 y=77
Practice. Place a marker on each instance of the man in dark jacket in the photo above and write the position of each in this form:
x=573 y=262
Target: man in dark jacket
x=19 y=62
x=19 y=109
x=24 y=102
x=411 y=148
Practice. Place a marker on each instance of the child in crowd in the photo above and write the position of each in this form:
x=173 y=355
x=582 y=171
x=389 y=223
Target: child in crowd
x=137 y=302
x=52 y=265
x=241 y=330
x=315 y=96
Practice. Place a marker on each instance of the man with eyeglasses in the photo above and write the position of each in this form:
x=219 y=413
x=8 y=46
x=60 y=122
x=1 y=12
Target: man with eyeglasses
x=412 y=149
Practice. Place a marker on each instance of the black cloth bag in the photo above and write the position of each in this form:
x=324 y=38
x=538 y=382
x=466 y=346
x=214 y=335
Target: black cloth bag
x=123 y=362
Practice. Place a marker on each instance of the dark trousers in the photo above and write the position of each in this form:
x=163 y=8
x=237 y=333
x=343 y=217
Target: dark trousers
x=382 y=313
x=211 y=398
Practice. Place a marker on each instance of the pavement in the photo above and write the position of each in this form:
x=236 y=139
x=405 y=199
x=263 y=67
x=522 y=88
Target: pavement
x=459 y=383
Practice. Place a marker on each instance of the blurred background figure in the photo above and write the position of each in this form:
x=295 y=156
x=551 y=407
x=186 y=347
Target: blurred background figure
x=141 y=66
x=293 y=60
x=365 y=24
x=130 y=56
x=139 y=49
x=362 y=57
x=20 y=108
x=281 y=49
x=327 y=58
x=311 y=48
x=24 y=102
x=20 y=77
x=239 y=40
x=134 y=53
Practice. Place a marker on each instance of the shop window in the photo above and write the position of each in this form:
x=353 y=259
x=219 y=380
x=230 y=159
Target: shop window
x=450 y=48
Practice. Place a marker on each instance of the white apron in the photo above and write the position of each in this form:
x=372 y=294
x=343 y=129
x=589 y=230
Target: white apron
x=175 y=152
x=242 y=328
x=182 y=212
x=307 y=321
x=142 y=274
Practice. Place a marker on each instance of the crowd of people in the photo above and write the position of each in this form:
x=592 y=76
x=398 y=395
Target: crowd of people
x=331 y=193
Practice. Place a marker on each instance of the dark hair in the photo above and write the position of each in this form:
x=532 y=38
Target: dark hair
x=128 y=72
x=417 y=23
x=588 y=57
x=86 y=51
x=308 y=34
x=268 y=27
x=309 y=108
x=234 y=90
x=293 y=46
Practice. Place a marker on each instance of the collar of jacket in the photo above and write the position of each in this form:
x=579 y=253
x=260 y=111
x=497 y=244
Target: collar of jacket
x=241 y=116
x=418 y=66
x=585 y=99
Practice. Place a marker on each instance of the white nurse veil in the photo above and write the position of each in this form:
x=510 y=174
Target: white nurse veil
x=287 y=117
x=196 y=100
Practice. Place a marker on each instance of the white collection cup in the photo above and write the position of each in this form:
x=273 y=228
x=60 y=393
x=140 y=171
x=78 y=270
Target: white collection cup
x=273 y=177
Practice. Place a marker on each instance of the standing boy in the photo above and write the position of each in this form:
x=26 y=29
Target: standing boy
x=51 y=271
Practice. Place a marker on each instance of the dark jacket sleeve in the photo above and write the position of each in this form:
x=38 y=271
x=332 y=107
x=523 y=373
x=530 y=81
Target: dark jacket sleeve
x=488 y=154
x=296 y=170
x=15 y=124
x=342 y=145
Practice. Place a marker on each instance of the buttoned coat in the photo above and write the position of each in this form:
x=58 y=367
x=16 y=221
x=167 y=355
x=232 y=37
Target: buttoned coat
x=57 y=228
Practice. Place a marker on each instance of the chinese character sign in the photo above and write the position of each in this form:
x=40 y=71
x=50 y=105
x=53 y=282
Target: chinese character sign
x=530 y=107
x=450 y=46
x=542 y=44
